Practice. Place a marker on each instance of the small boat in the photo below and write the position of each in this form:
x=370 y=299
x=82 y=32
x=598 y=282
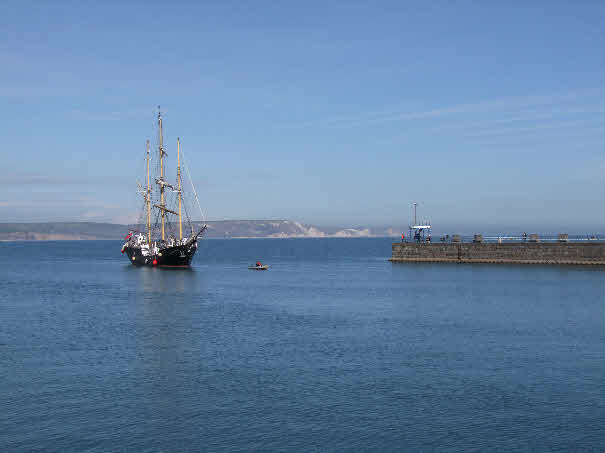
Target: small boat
x=259 y=266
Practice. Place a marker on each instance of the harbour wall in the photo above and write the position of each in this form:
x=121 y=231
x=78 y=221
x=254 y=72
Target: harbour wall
x=586 y=253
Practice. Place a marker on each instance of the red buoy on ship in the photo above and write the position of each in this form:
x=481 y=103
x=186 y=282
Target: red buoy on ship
x=155 y=262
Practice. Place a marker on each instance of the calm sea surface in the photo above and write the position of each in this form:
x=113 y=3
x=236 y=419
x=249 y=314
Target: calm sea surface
x=334 y=348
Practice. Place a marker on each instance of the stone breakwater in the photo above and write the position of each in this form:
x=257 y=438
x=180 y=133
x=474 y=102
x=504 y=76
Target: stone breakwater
x=586 y=253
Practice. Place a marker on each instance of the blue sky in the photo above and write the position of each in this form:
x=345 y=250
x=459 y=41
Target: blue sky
x=333 y=113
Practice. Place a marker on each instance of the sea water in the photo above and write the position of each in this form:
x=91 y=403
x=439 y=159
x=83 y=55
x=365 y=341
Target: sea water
x=334 y=348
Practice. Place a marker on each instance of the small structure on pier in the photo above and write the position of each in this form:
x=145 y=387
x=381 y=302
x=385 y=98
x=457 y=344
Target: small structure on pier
x=419 y=231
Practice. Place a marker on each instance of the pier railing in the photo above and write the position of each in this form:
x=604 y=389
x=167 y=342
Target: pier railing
x=516 y=238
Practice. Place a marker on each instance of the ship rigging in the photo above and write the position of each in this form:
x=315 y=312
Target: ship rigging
x=169 y=249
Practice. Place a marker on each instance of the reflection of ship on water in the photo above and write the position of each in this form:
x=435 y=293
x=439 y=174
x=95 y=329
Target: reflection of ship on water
x=159 y=244
x=175 y=284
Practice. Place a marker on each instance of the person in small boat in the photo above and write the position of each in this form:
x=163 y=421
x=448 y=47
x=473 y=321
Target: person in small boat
x=258 y=264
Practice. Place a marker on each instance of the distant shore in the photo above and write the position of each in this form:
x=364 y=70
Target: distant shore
x=221 y=229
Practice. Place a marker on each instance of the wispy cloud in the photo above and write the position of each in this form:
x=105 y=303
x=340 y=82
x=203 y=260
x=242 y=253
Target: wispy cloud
x=17 y=179
x=77 y=209
x=584 y=124
x=51 y=203
x=514 y=104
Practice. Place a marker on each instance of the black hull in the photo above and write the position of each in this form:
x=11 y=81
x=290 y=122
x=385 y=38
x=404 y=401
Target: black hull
x=177 y=256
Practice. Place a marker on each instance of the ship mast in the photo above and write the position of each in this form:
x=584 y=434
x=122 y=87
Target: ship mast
x=162 y=203
x=161 y=182
x=148 y=199
x=179 y=179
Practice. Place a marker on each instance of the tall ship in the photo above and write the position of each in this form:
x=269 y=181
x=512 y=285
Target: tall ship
x=165 y=235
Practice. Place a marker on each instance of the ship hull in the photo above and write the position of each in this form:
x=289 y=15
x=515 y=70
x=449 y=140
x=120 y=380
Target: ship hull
x=177 y=256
